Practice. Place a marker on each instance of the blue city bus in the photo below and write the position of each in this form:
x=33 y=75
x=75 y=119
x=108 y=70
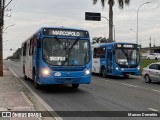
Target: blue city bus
x=57 y=55
x=116 y=58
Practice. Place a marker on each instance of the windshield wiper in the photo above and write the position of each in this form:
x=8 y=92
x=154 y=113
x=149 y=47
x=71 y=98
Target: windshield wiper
x=59 y=42
x=73 y=44
x=69 y=49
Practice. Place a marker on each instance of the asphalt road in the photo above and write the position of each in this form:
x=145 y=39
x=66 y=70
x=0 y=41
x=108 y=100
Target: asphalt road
x=103 y=94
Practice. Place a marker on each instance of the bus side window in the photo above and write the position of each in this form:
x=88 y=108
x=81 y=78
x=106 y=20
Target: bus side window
x=30 y=48
x=95 y=53
x=27 y=49
x=24 y=49
x=33 y=45
x=99 y=52
x=102 y=52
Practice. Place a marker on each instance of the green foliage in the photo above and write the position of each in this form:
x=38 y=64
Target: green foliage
x=16 y=54
x=99 y=40
x=145 y=63
x=111 y=3
x=121 y=3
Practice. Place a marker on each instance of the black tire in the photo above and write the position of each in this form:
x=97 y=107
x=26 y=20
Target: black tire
x=25 y=77
x=156 y=58
x=147 y=79
x=75 y=86
x=36 y=85
x=103 y=72
x=126 y=76
x=148 y=58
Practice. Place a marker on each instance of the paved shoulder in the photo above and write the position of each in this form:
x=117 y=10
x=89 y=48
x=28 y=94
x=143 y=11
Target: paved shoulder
x=14 y=96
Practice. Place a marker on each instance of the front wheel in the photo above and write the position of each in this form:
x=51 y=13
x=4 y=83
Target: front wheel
x=36 y=85
x=126 y=76
x=147 y=79
x=75 y=86
x=25 y=77
x=103 y=72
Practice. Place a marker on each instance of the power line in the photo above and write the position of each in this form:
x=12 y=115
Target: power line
x=8 y=19
x=7 y=4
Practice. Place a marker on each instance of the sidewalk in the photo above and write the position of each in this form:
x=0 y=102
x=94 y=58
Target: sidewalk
x=15 y=97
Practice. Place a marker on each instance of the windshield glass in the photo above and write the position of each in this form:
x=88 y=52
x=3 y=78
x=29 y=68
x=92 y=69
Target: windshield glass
x=66 y=52
x=127 y=57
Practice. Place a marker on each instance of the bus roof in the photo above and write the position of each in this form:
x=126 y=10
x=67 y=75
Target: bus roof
x=54 y=27
x=112 y=43
x=61 y=27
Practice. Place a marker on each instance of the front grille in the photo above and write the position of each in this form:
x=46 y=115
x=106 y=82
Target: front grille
x=126 y=66
x=68 y=69
x=64 y=80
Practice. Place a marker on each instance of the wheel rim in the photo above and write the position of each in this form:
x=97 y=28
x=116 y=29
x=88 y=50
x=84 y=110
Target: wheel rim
x=103 y=73
x=126 y=76
x=147 y=78
x=75 y=85
x=35 y=83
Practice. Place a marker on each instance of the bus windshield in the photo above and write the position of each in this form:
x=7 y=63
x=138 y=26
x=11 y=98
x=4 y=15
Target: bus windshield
x=127 y=57
x=66 y=52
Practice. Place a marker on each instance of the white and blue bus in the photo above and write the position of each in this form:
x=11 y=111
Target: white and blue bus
x=116 y=58
x=57 y=55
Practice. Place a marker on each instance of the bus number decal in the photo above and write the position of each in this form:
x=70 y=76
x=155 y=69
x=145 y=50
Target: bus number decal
x=57 y=58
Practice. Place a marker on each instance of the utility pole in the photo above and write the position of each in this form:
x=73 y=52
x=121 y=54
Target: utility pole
x=150 y=45
x=154 y=45
x=2 y=8
x=2 y=3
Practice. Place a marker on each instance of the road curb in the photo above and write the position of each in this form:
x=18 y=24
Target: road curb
x=45 y=105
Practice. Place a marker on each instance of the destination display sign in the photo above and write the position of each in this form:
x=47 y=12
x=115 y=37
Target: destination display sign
x=126 y=46
x=65 y=32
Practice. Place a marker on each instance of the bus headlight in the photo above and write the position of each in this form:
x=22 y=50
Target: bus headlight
x=87 y=72
x=138 y=67
x=45 y=72
x=117 y=68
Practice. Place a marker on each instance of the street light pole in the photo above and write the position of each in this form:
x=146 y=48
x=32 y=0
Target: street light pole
x=112 y=25
x=133 y=30
x=137 y=18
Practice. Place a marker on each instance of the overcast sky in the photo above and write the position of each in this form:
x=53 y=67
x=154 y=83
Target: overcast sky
x=29 y=15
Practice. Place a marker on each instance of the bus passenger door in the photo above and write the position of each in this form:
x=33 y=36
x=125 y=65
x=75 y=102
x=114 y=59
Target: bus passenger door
x=96 y=61
x=109 y=61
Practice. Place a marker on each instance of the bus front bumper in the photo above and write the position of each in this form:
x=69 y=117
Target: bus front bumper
x=131 y=71
x=52 y=80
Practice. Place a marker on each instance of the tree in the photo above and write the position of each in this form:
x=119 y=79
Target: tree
x=99 y=40
x=16 y=54
x=111 y=3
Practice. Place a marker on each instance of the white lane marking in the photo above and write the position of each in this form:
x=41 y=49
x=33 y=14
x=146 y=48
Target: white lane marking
x=134 y=86
x=35 y=95
x=107 y=80
x=129 y=85
x=152 y=109
x=156 y=90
